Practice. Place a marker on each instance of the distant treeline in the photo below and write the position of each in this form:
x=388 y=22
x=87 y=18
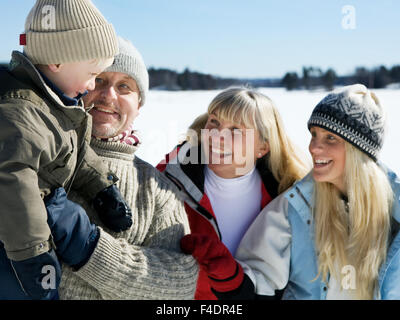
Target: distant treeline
x=313 y=77
x=310 y=78
x=166 y=79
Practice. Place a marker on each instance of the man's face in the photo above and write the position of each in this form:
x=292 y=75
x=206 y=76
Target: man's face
x=116 y=104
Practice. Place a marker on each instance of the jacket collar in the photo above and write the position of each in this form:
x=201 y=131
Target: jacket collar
x=268 y=179
x=191 y=175
x=300 y=196
x=395 y=183
x=305 y=188
x=21 y=67
x=187 y=175
x=67 y=101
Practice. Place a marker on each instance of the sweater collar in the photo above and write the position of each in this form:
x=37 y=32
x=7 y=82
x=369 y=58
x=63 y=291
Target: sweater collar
x=229 y=184
x=113 y=149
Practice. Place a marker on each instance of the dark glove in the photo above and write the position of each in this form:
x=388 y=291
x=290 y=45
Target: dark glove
x=73 y=234
x=39 y=277
x=113 y=211
x=224 y=273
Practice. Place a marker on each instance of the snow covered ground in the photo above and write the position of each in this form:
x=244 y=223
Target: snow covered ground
x=166 y=115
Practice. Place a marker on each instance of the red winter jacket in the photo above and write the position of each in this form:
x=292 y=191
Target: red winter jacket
x=189 y=177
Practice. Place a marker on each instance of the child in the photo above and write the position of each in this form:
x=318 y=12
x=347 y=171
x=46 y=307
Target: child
x=45 y=134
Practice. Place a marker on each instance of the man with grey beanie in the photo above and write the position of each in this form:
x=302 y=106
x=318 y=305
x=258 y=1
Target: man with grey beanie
x=145 y=261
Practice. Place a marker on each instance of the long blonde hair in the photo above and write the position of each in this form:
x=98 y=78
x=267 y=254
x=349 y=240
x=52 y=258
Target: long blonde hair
x=255 y=110
x=359 y=235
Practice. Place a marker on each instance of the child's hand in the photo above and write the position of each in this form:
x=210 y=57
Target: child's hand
x=113 y=211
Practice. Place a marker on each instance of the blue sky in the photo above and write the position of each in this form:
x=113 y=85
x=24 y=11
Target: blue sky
x=254 y=38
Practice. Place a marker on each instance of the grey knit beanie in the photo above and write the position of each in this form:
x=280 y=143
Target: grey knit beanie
x=130 y=62
x=62 y=31
x=355 y=114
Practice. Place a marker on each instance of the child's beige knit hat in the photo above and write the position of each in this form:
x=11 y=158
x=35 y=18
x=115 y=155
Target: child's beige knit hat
x=62 y=31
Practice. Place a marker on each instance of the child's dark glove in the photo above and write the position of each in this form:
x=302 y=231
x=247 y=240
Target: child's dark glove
x=39 y=276
x=112 y=209
x=74 y=235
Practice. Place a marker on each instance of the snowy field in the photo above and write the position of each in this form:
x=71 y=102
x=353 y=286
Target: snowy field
x=166 y=115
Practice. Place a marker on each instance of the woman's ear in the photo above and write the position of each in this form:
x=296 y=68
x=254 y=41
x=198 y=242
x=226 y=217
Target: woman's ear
x=55 y=67
x=263 y=150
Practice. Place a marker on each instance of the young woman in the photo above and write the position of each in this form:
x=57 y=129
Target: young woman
x=236 y=159
x=334 y=234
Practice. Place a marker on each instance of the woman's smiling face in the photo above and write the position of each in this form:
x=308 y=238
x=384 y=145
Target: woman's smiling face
x=328 y=153
x=231 y=148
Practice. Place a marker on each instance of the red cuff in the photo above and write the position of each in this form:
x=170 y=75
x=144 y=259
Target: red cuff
x=228 y=284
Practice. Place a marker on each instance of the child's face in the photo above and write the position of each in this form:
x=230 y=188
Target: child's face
x=77 y=77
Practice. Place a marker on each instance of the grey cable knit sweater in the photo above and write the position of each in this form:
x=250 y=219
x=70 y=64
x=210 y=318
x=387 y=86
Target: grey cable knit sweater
x=144 y=262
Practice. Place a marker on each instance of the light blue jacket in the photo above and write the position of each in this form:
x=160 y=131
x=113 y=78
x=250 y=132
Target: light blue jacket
x=278 y=250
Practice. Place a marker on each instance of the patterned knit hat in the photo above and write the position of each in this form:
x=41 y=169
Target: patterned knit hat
x=130 y=62
x=354 y=114
x=62 y=31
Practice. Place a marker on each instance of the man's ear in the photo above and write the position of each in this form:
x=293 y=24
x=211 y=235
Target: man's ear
x=55 y=67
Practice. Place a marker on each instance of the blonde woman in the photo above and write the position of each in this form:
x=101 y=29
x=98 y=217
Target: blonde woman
x=236 y=159
x=334 y=234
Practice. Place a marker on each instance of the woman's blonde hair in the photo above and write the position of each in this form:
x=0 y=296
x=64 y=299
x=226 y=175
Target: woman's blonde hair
x=255 y=110
x=356 y=236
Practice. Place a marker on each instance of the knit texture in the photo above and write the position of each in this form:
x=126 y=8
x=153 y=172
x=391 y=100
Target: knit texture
x=62 y=31
x=144 y=262
x=130 y=62
x=355 y=114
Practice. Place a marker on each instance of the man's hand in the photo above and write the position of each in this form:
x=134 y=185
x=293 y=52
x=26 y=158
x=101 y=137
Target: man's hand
x=113 y=210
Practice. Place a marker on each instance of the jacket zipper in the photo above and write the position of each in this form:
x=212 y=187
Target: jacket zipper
x=182 y=188
x=78 y=165
x=16 y=275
